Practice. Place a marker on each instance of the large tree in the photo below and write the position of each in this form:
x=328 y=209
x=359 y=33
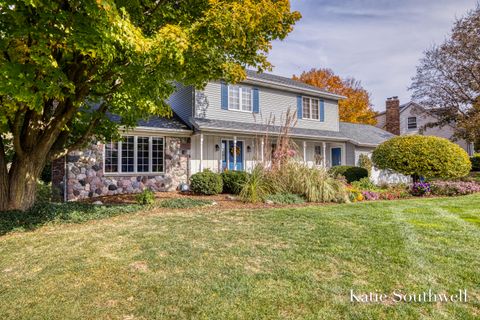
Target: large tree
x=65 y=64
x=448 y=78
x=356 y=107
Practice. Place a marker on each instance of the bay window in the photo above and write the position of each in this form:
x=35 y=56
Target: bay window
x=135 y=154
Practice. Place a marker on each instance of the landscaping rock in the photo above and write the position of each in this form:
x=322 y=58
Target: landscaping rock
x=97 y=203
x=269 y=202
x=230 y=197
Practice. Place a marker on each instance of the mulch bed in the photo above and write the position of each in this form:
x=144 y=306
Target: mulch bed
x=223 y=201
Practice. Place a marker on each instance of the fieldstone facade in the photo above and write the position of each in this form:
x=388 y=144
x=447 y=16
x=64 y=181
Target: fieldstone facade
x=86 y=179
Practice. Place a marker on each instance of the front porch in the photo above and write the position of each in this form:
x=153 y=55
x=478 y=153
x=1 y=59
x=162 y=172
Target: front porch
x=219 y=152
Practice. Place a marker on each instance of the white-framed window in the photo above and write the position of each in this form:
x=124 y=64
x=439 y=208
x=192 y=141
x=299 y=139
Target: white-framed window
x=135 y=154
x=412 y=122
x=311 y=108
x=240 y=98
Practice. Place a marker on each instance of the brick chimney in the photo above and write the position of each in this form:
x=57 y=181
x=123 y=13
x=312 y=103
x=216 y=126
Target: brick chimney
x=392 y=116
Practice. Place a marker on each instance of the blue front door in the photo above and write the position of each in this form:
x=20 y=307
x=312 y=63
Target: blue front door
x=228 y=155
x=336 y=156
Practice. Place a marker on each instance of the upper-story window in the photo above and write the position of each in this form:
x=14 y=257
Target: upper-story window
x=135 y=154
x=310 y=108
x=239 y=98
x=412 y=122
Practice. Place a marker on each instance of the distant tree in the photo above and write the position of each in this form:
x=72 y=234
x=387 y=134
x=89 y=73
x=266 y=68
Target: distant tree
x=121 y=56
x=448 y=78
x=356 y=107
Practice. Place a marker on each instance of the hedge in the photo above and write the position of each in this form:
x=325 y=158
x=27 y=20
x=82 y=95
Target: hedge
x=475 y=162
x=206 y=182
x=233 y=181
x=350 y=173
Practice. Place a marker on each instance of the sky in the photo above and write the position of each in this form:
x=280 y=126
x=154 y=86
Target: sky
x=377 y=42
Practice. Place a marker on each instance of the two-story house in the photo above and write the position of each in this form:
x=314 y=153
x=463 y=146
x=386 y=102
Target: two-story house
x=221 y=127
x=412 y=118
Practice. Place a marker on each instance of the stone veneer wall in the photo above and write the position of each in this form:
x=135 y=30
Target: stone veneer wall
x=86 y=179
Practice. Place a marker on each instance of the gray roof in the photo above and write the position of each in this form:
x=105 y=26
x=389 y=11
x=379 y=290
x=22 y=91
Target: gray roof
x=364 y=133
x=254 y=75
x=356 y=133
x=173 y=123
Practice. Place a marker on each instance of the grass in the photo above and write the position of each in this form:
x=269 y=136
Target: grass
x=295 y=263
x=59 y=213
x=184 y=203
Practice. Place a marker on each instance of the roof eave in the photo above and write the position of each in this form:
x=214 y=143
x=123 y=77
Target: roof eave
x=277 y=85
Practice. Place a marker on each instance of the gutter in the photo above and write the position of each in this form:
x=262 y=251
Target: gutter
x=345 y=139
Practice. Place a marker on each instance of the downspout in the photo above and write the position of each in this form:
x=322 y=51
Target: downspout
x=65 y=175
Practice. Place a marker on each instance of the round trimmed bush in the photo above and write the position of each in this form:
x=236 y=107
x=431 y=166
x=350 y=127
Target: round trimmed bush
x=233 y=181
x=350 y=173
x=427 y=156
x=206 y=182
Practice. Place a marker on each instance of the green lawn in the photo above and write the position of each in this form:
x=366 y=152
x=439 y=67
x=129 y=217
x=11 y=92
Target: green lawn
x=281 y=263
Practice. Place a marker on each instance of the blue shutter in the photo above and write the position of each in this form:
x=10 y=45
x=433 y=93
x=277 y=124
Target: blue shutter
x=256 y=102
x=299 y=107
x=322 y=111
x=224 y=98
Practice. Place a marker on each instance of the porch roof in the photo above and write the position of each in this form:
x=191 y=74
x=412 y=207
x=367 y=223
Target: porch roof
x=362 y=135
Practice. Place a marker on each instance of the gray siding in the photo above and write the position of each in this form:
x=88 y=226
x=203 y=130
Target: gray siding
x=274 y=103
x=182 y=102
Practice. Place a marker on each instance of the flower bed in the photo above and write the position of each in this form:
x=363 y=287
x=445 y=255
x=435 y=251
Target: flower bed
x=454 y=188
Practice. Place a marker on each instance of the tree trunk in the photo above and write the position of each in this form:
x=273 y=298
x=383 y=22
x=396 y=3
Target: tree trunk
x=18 y=191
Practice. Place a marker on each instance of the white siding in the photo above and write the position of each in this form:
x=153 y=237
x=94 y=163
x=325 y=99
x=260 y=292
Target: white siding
x=273 y=103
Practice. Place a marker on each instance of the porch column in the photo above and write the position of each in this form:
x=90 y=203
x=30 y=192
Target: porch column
x=235 y=153
x=262 y=146
x=201 y=152
x=324 y=151
x=305 y=152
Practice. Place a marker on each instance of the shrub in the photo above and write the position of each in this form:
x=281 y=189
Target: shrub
x=364 y=184
x=43 y=193
x=364 y=161
x=316 y=185
x=454 y=188
x=233 y=181
x=475 y=160
x=426 y=156
x=349 y=172
x=146 y=197
x=206 y=182
x=183 y=203
x=355 y=194
x=285 y=198
x=420 y=189
x=257 y=187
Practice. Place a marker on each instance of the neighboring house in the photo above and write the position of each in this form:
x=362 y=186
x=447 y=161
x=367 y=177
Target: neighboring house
x=220 y=127
x=412 y=118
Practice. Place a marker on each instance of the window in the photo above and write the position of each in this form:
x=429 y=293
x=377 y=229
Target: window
x=412 y=122
x=142 y=154
x=128 y=154
x=157 y=154
x=240 y=98
x=111 y=157
x=310 y=108
x=318 y=155
x=135 y=155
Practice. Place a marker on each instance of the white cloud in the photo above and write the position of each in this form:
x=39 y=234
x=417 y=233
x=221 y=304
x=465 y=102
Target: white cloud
x=378 y=42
